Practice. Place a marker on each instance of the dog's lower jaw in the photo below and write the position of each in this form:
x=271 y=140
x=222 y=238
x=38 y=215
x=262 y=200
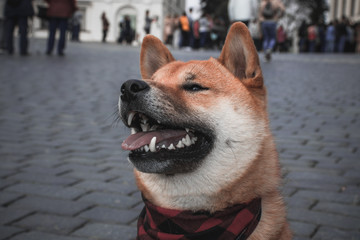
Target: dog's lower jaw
x=200 y=190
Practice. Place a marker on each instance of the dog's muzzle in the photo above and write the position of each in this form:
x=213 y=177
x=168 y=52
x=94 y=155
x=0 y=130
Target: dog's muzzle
x=160 y=141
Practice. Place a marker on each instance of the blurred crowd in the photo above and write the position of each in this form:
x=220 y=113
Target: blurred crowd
x=188 y=33
x=338 y=36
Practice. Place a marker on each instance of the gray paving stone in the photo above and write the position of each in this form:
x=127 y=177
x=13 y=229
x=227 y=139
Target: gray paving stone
x=314 y=185
x=50 y=223
x=44 y=179
x=337 y=208
x=105 y=186
x=8 y=197
x=106 y=232
x=8 y=215
x=7 y=231
x=302 y=229
x=44 y=170
x=336 y=234
x=110 y=215
x=326 y=219
x=51 y=191
x=328 y=196
x=110 y=199
x=44 y=236
x=50 y=205
x=300 y=203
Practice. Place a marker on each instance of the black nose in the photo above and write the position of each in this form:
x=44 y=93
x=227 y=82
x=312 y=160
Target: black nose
x=131 y=88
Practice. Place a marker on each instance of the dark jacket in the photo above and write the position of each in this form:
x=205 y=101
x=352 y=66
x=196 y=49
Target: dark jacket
x=18 y=8
x=61 y=8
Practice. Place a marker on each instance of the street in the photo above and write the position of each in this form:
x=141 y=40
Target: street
x=64 y=175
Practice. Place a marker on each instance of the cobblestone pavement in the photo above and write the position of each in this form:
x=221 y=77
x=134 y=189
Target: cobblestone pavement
x=64 y=176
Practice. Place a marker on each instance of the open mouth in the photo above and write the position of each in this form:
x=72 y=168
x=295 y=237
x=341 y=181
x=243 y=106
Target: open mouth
x=156 y=147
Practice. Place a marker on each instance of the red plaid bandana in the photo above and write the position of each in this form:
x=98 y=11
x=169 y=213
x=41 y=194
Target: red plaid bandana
x=237 y=222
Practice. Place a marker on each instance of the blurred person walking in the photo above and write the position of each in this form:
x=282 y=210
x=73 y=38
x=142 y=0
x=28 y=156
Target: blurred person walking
x=185 y=30
x=357 y=37
x=321 y=36
x=302 y=34
x=341 y=35
x=191 y=25
x=281 y=39
x=255 y=32
x=176 y=32
x=128 y=33
x=2 y=27
x=148 y=21
x=76 y=26
x=312 y=37
x=59 y=13
x=269 y=13
x=168 y=30
x=204 y=31
x=105 y=26
x=330 y=38
x=243 y=11
x=17 y=12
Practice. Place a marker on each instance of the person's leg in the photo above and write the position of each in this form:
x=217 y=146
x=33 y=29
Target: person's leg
x=62 y=40
x=104 y=35
x=2 y=34
x=264 y=27
x=272 y=35
x=51 y=37
x=23 y=29
x=10 y=25
x=342 y=42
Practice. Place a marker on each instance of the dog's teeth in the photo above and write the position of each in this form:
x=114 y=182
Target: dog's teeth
x=133 y=131
x=146 y=148
x=171 y=147
x=152 y=145
x=180 y=144
x=144 y=127
x=187 y=140
x=187 y=130
x=130 y=118
x=163 y=146
x=144 y=119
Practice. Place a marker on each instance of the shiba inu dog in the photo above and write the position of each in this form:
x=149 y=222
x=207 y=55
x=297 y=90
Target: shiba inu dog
x=204 y=157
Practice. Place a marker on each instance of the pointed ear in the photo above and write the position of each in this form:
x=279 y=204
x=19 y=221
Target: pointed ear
x=153 y=56
x=240 y=57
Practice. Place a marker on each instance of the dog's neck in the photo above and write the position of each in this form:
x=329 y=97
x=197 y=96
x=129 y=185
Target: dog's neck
x=236 y=222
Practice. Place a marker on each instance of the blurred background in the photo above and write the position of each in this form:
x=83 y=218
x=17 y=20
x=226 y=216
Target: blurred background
x=306 y=25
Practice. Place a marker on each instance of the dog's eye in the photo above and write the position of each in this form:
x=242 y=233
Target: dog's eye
x=194 y=87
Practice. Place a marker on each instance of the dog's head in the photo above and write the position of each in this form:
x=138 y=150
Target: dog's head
x=196 y=120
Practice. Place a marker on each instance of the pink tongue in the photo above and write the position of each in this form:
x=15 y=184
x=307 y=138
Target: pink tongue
x=141 y=139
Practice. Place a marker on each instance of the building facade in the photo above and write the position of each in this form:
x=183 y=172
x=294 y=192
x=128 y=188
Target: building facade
x=116 y=10
x=347 y=8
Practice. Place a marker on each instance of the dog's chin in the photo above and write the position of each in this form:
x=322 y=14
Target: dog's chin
x=166 y=148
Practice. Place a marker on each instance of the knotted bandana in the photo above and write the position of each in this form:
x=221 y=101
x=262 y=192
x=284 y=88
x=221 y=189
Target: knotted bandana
x=236 y=222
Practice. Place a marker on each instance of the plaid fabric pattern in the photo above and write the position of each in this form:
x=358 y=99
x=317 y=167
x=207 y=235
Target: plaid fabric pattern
x=237 y=222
